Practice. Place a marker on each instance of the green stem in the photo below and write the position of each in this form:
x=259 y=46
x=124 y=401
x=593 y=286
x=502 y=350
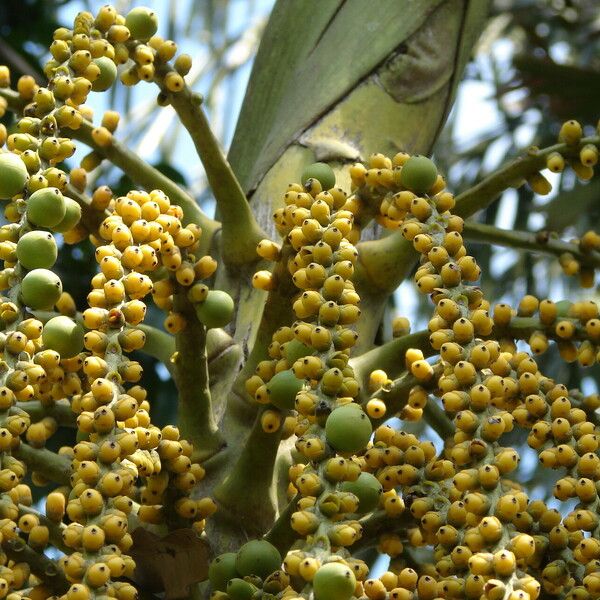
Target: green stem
x=240 y=230
x=246 y=494
x=377 y=523
x=41 y=566
x=281 y=535
x=91 y=218
x=55 y=529
x=389 y=357
x=384 y=263
x=525 y=240
x=521 y=328
x=513 y=174
x=276 y=313
x=437 y=419
x=52 y=466
x=60 y=411
x=396 y=397
x=195 y=413
x=160 y=345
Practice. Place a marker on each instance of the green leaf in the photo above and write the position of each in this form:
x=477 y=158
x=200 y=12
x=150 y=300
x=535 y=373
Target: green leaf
x=387 y=67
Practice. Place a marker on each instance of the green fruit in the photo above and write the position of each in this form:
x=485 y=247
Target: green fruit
x=418 y=174
x=108 y=74
x=221 y=570
x=321 y=171
x=46 y=207
x=238 y=589
x=334 y=581
x=367 y=489
x=64 y=336
x=563 y=307
x=257 y=557
x=71 y=218
x=41 y=289
x=348 y=428
x=142 y=23
x=37 y=250
x=283 y=388
x=216 y=310
x=294 y=349
x=13 y=175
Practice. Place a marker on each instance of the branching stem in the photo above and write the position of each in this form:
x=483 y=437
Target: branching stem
x=195 y=413
x=512 y=174
x=240 y=230
x=247 y=492
x=51 y=465
x=526 y=240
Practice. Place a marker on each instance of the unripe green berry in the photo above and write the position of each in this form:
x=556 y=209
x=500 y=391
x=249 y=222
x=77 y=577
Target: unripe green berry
x=320 y=171
x=46 y=207
x=257 y=557
x=283 y=388
x=108 y=74
x=64 y=336
x=348 y=428
x=367 y=489
x=295 y=349
x=71 y=218
x=142 y=23
x=238 y=589
x=222 y=570
x=37 y=250
x=13 y=175
x=41 y=289
x=216 y=310
x=418 y=174
x=334 y=581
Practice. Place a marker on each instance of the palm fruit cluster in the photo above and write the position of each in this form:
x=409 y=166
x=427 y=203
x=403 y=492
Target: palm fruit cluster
x=574 y=326
x=581 y=155
x=85 y=59
x=122 y=465
x=479 y=533
x=308 y=372
x=489 y=539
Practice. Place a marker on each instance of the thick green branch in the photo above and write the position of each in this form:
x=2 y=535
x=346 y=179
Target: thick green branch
x=389 y=357
x=240 y=230
x=276 y=313
x=160 y=345
x=51 y=465
x=384 y=263
x=130 y=163
x=195 y=412
x=41 y=566
x=526 y=240
x=377 y=523
x=281 y=535
x=91 y=218
x=60 y=411
x=396 y=398
x=246 y=495
x=521 y=328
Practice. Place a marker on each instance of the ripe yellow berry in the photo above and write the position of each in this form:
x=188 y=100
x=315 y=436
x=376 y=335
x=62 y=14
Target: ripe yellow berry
x=174 y=82
x=570 y=132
